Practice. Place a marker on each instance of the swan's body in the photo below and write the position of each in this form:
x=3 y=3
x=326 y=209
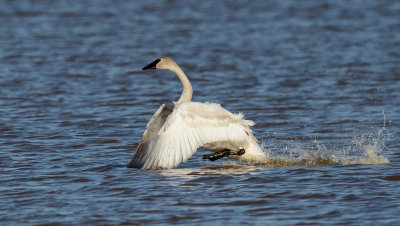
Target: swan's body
x=177 y=130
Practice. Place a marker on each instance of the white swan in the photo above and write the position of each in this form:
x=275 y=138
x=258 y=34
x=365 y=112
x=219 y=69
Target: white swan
x=178 y=129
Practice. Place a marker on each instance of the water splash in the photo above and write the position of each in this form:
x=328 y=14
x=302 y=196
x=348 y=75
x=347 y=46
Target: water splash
x=365 y=147
x=368 y=149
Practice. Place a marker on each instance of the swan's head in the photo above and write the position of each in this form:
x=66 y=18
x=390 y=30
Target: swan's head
x=161 y=63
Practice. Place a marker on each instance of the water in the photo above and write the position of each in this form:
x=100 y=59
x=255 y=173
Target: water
x=320 y=79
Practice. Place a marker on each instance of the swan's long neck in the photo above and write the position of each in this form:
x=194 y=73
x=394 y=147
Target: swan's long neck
x=187 y=87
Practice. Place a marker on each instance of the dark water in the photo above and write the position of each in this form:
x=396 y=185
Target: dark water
x=320 y=79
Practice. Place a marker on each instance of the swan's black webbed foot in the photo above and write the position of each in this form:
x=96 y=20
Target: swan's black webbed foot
x=223 y=153
x=241 y=152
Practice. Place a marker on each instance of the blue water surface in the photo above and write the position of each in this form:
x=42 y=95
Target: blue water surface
x=321 y=79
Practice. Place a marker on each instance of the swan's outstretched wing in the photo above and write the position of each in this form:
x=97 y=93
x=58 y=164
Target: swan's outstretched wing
x=190 y=126
x=152 y=128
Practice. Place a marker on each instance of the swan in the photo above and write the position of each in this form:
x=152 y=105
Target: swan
x=178 y=129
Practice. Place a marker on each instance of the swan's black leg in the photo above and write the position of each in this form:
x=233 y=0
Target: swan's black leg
x=223 y=153
x=217 y=155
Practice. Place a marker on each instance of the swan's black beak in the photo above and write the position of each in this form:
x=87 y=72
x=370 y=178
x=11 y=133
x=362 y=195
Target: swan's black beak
x=152 y=65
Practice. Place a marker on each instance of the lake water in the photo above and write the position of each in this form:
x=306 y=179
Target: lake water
x=321 y=79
